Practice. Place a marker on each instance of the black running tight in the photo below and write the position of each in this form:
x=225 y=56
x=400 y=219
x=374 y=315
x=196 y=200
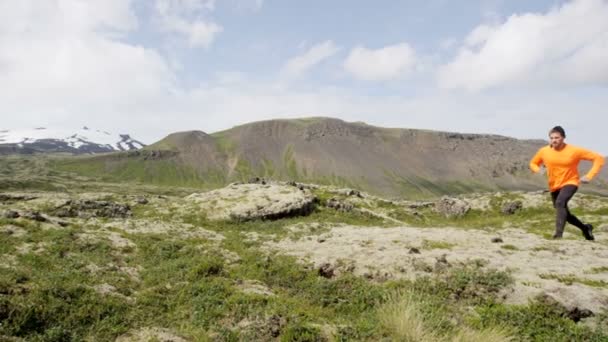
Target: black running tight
x=560 y=202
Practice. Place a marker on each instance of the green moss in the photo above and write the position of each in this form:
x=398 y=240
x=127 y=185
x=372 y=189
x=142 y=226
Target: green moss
x=570 y=279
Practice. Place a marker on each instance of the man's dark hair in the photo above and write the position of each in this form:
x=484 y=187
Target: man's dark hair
x=558 y=129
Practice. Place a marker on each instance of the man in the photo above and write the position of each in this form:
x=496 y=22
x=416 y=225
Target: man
x=561 y=161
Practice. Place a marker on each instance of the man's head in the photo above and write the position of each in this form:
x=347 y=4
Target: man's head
x=556 y=137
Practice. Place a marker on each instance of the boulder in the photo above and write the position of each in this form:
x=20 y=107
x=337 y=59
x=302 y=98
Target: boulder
x=452 y=207
x=511 y=207
x=244 y=202
x=11 y=214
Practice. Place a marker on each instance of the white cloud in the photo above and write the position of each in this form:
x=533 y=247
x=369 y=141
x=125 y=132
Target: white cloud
x=69 y=57
x=259 y=4
x=67 y=17
x=69 y=63
x=176 y=16
x=387 y=63
x=184 y=6
x=315 y=55
x=567 y=44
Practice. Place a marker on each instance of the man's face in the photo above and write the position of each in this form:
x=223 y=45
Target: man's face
x=556 y=140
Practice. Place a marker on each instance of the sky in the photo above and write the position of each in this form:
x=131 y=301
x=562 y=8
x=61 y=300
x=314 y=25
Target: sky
x=153 y=67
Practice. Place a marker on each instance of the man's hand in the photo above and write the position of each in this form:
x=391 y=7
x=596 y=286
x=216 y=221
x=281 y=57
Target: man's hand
x=585 y=180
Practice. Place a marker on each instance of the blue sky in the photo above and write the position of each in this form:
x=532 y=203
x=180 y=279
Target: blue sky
x=150 y=68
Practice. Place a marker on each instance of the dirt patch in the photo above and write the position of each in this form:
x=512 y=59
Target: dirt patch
x=13 y=231
x=254 y=287
x=35 y=248
x=151 y=334
x=538 y=265
x=8 y=261
x=182 y=230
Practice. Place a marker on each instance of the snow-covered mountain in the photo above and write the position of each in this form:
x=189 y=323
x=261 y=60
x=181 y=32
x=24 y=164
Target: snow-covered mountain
x=50 y=140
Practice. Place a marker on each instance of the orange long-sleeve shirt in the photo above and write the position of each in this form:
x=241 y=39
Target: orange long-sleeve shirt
x=562 y=165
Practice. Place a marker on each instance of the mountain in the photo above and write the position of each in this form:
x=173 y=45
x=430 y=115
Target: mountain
x=50 y=140
x=388 y=161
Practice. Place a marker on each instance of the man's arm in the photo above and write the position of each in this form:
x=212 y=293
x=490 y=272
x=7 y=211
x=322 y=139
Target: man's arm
x=536 y=161
x=598 y=162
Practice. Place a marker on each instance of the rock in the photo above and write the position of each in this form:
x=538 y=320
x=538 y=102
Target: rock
x=442 y=259
x=142 y=200
x=452 y=207
x=245 y=202
x=11 y=214
x=576 y=301
x=90 y=208
x=34 y=216
x=421 y=205
x=275 y=324
x=350 y=192
x=578 y=314
x=326 y=271
x=510 y=208
x=257 y=180
x=497 y=240
x=14 y=198
x=441 y=263
x=339 y=205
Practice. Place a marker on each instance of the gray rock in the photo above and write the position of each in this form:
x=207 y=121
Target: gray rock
x=142 y=200
x=274 y=325
x=257 y=180
x=510 y=208
x=90 y=208
x=243 y=202
x=441 y=263
x=15 y=198
x=452 y=207
x=326 y=271
x=11 y=214
x=350 y=192
x=339 y=205
x=35 y=216
x=572 y=307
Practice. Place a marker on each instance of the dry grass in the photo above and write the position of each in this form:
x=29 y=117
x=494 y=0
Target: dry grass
x=403 y=318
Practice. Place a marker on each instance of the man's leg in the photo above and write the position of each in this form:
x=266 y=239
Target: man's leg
x=560 y=202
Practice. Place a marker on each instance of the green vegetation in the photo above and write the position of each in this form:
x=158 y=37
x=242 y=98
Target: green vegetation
x=509 y=247
x=93 y=281
x=428 y=244
x=569 y=279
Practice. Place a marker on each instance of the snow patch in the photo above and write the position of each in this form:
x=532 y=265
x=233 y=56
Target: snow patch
x=74 y=138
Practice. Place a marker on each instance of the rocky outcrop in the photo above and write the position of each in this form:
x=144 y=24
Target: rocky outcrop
x=452 y=207
x=91 y=208
x=244 y=202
